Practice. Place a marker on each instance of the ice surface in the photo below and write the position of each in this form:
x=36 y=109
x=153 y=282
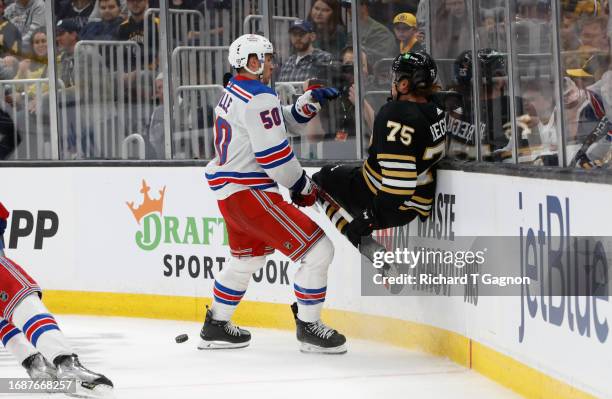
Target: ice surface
x=142 y=359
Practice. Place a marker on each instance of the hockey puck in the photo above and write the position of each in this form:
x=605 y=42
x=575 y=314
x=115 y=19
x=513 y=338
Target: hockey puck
x=181 y=338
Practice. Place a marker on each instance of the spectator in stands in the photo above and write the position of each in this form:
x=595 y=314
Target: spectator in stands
x=406 y=33
x=106 y=29
x=584 y=7
x=77 y=10
x=569 y=31
x=376 y=40
x=593 y=40
x=34 y=67
x=385 y=10
x=583 y=109
x=155 y=143
x=27 y=15
x=593 y=35
x=591 y=71
x=134 y=29
x=10 y=46
x=67 y=36
x=302 y=65
x=328 y=25
x=95 y=14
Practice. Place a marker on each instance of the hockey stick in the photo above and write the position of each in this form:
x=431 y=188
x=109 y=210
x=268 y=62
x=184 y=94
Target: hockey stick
x=597 y=133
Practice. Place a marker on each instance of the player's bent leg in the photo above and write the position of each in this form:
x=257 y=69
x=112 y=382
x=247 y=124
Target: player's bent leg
x=310 y=289
x=41 y=329
x=15 y=342
x=230 y=286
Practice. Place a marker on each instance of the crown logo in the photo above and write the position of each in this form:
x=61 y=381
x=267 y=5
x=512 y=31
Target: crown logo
x=148 y=205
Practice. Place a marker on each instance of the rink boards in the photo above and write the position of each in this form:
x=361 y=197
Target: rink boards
x=97 y=247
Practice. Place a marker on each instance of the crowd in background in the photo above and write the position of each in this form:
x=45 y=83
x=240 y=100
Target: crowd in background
x=317 y=49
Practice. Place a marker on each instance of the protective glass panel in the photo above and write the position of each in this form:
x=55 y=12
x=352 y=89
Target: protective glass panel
x=200 y=35
x=448 y=35
x=587 y=84
x=310 y=39
x=25 y=132
x=107 y=61
x=534 y=83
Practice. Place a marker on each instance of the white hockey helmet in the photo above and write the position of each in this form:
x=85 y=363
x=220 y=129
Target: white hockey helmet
x=245 y=45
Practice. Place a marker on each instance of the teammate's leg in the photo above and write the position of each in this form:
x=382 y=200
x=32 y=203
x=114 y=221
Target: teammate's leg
x=25 y=310
x=26 y=354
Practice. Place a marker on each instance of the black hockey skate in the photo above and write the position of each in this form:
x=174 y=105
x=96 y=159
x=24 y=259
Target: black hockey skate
x=368 y=247
x=316 y=337
x=218 y=334
x=88 y=383
x=39 y=368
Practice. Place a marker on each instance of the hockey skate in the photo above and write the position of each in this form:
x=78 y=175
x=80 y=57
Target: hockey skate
x=316 y=337
x=88 y=383
x=368 y=247
x=218 y=334
x=39 y=368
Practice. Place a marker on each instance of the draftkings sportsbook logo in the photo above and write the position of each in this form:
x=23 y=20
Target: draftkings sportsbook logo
x=156 y=228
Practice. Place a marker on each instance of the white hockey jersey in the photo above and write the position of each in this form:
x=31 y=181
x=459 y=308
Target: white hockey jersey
x=251 y=147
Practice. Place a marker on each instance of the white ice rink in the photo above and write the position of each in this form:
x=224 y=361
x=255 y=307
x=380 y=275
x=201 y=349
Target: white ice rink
x=142 y=359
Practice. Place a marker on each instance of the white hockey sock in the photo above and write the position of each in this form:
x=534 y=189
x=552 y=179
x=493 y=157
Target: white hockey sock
x=231 y=284
x=15 y=342
x=310 y=282
x=40 y=328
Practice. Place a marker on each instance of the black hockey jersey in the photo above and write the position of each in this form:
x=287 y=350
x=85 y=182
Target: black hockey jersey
x=409 y=139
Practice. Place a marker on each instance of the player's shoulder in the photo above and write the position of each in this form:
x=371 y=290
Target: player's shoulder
x=248 y=89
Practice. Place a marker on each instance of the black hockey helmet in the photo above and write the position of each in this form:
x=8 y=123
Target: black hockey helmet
x=492 y=64
x=418 y=67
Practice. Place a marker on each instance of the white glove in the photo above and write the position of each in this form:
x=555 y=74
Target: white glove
x=306 y=106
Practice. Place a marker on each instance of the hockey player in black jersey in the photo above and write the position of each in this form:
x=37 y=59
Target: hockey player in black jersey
x=397 y=181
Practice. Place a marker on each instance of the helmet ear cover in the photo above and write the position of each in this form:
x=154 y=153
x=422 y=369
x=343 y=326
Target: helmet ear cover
x=246 y=45
x=418 y=67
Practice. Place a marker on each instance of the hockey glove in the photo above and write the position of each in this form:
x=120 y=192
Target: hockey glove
x=304 y=193
x=323 y=94
x=359 y=227
x=309 y=103
x=583 y=161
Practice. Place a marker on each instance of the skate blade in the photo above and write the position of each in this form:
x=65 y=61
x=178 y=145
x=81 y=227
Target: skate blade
x=204 y=345
x=310 y=348
x=99 y=391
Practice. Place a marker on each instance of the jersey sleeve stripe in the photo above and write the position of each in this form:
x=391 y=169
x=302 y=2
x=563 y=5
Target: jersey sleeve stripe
x=367 y=177
x=406 y=208
x=421 y=200
x=279 y=162
x=396 y=157
x=272 y=150
x=397 y=165
x=398 y=183
x=396 y=173
x=274 y=156
x=396 y=191
x=371 y=171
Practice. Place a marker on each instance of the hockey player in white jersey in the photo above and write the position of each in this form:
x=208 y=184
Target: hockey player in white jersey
x=252 y=157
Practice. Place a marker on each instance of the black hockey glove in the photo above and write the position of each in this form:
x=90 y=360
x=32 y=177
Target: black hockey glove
x=359 y=227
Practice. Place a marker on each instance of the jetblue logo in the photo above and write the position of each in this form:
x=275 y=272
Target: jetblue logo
x=569 y=274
